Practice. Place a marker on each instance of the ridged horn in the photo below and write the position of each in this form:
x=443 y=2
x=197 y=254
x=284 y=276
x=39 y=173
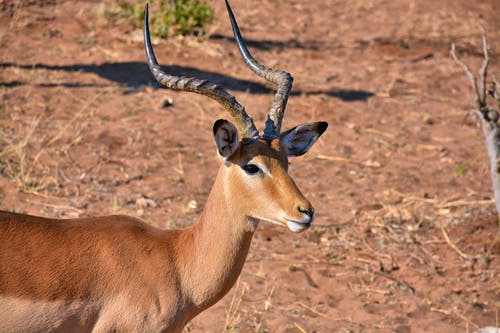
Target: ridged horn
x=282 y=79
x=242 y=120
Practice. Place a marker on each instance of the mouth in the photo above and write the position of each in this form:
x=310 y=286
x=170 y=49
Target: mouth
x=296 y=226
x=293 y=225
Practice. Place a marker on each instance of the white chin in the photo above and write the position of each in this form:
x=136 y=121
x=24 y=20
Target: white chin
x=297 y=227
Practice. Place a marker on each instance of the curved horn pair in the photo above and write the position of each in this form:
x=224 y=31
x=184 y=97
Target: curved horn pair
x=244 y=122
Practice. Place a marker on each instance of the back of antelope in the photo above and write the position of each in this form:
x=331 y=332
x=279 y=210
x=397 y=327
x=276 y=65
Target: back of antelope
x=119 y=274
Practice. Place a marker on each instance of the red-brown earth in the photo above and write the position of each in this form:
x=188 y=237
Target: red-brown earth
x=406 y=237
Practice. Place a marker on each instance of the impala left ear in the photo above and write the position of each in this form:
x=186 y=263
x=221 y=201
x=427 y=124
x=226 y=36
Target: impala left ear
x=226 y=138
x=298 y=140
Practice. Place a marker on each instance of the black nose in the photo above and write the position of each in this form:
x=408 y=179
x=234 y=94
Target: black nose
x=308 y=211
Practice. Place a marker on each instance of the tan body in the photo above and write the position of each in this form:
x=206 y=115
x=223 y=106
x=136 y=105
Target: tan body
x=118 y=274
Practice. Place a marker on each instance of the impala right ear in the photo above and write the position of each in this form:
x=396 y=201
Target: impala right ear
x=298 y=140
x=226 y=138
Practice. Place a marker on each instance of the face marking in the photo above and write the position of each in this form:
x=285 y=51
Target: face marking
x=264 y=169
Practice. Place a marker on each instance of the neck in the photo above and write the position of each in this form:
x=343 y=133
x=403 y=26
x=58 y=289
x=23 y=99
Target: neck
x=218 y=245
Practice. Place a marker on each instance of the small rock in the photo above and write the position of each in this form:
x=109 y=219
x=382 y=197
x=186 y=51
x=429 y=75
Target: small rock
x=192 y=206
x=169 y=101
x=428 y=120
x=144 y=202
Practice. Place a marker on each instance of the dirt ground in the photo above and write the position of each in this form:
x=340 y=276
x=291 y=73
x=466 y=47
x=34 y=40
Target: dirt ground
x=405 y=237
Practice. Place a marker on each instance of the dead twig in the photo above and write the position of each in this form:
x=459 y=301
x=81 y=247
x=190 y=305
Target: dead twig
x=309 y=279
x=459 y=203
x=458 y=314
x=378 y=132
x=443 y=311
x=232 y=315
x=300 y=328
x=467 y=320
x=312 y=310
x=398 y=281
x=453 y=246
x=54 y=206
x=332 y=158
x=378 y=291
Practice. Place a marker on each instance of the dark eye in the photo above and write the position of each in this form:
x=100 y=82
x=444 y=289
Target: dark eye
x=251 y=169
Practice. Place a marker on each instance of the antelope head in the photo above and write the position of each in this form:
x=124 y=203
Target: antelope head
x=254 y=166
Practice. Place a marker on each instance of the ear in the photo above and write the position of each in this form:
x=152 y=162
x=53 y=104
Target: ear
x=298 y=140
x=226 y=138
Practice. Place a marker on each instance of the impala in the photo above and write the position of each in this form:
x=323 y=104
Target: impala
x=119 y=274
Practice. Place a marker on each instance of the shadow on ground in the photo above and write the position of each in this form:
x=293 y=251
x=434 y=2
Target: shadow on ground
x=135 y=76
x=267 y=45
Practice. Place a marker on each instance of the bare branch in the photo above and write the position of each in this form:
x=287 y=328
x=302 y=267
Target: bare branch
x=489 y=124
x=483 y=74
x=468 y=73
